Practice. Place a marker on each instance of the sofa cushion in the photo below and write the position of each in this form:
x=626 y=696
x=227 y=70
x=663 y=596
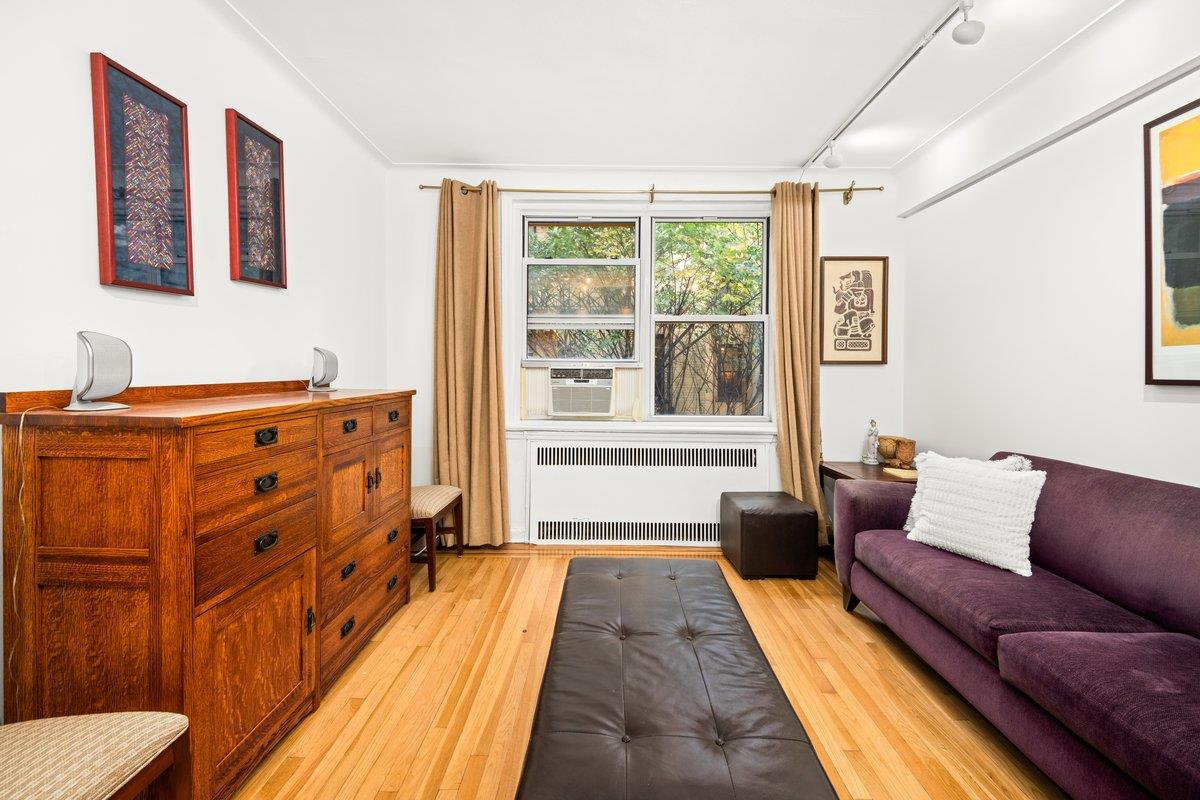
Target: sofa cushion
x=978 y=603
x=1132 y=540
x=1135 y=697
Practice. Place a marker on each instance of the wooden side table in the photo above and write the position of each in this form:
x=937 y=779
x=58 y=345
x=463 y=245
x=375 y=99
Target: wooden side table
x=851 y=471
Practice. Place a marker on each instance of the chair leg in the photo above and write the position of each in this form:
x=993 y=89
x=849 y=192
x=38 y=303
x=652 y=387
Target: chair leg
x=460 y=527
x=431 y=551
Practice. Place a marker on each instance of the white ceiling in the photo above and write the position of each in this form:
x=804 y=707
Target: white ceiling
x=650 y=82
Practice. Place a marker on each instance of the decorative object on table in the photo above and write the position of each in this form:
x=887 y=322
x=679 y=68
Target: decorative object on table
x=103 y=368
x=853 y=309
x=1013 y=463
x=324 y=371
x=978 y=510
x=902 y=474
x=871 y=453
x=1172 y=155
x=142 y=192
x=769 y=535
x=897 y=451
x=256 y=222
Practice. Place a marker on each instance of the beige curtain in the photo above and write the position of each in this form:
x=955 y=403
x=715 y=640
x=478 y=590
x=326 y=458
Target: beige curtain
x=795 y=236
x=468 y=395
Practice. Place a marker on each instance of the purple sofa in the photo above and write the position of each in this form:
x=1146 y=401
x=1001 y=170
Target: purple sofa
x=1092 y=665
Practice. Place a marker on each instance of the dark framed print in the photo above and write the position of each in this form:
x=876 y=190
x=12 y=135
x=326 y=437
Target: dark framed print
x=142 y=193
x=256 y=227
x=1172 y=163
x=853 y=306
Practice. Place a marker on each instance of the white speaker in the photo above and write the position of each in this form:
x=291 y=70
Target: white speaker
x=104 y=367
x=324 y=371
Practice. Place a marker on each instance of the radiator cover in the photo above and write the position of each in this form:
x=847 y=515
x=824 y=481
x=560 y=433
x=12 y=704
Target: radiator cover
x=625 y=493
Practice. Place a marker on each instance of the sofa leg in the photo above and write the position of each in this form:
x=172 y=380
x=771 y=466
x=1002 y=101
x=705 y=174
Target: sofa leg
x=849 y=600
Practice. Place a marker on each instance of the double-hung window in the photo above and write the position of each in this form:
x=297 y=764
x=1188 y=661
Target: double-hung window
x=682 y=299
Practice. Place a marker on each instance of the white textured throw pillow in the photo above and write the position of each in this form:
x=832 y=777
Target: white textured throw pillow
x=977 y=511
x=1013 y=462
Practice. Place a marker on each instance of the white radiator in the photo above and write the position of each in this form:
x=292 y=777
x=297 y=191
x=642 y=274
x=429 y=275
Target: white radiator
x=626 y=493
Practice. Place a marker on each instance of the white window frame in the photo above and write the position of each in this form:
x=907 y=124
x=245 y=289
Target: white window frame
x=514 y=211
x=762 y=317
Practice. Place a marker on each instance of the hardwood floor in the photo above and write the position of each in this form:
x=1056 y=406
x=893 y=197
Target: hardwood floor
x=439 y=705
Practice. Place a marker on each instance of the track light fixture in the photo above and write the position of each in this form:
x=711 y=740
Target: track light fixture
x=969 y=31
x=833 y=160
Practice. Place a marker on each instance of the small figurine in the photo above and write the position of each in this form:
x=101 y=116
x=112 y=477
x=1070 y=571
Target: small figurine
x=871 y=454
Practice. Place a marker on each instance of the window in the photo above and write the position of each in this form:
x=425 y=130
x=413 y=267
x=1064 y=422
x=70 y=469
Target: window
x=581 y=289
x=709 y=317
x=683 y=299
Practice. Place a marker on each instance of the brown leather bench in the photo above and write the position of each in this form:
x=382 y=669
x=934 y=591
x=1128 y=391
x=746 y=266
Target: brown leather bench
x=656 y=689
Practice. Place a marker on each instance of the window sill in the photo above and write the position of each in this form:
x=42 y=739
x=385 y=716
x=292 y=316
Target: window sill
x=625 y=429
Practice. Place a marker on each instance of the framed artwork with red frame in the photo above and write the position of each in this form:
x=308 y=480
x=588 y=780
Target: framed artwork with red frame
x=143 y=201
x=256 y=225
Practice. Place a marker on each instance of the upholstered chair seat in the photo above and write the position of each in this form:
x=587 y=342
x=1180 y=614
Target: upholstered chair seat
x=86 y=757
x=428 y=501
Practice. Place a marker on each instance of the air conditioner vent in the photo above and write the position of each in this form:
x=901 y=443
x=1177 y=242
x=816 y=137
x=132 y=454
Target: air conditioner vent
x=746 y=457
x=595 y=532
x=581 y=392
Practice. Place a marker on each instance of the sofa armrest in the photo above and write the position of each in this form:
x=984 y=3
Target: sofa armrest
x=865 y=506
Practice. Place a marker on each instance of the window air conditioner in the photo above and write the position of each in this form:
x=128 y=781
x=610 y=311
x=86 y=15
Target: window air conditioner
x=582 y=392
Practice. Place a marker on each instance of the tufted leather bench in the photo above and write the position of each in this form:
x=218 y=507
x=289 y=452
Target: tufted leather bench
x=656 y=689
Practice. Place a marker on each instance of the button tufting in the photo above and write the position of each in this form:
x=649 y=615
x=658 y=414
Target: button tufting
x=672 y=577
x=689 y=638
x=625 y=739
x=720 y=742
x=622 y=637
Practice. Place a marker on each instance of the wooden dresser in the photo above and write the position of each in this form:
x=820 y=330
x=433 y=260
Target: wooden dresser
x=223 y=551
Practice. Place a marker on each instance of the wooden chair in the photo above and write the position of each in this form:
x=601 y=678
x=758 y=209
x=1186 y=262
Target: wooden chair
x=97 y=757
x=429 y=505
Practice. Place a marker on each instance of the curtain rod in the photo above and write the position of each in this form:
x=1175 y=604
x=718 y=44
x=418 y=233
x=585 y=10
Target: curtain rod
x=847 y=192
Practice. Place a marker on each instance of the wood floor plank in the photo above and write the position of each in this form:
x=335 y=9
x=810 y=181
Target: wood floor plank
x=440 y=703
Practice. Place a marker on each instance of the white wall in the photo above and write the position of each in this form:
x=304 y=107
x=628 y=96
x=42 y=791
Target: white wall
x=207 y=57
x=851 y=395
x=1025 y=292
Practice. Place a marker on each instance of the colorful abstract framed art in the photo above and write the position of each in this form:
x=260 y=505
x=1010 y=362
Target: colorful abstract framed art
x=256 y=224
x=142 y=192
x=1172 y=155
x=853 y=309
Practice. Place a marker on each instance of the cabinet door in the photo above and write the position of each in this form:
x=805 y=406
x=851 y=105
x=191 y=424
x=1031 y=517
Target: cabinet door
x=391 y=458
x=349 y=500
x=254 y=673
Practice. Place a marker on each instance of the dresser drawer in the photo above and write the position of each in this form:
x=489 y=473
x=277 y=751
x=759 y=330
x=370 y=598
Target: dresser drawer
x=233 y=560
x=392 y=416
x=345 y=428
x=237 y=496
x=249 y=442
x=343 y=635
x=345 y=574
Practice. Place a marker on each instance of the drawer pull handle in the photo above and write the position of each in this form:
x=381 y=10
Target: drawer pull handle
x=392 y=534
x=348 y=570
x=266 y=483
x=378 y=478
x=265 y=542
x=310 y=619
x=370 y=482
x=266 y=436
x=393 y=415
x=347 y=626
x=350 y=426
x=392 y=582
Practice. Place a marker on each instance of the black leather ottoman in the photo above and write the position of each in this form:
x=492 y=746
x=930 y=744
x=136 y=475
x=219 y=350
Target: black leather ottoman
x=769 y=535
x=656 y=689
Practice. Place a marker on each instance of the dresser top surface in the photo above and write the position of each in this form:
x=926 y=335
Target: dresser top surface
x=186 y=406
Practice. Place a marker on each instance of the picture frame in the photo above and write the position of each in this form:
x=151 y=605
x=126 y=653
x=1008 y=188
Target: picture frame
x=257 y=247
x=853 y=309
x=143 y=190
x=1171 y=151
